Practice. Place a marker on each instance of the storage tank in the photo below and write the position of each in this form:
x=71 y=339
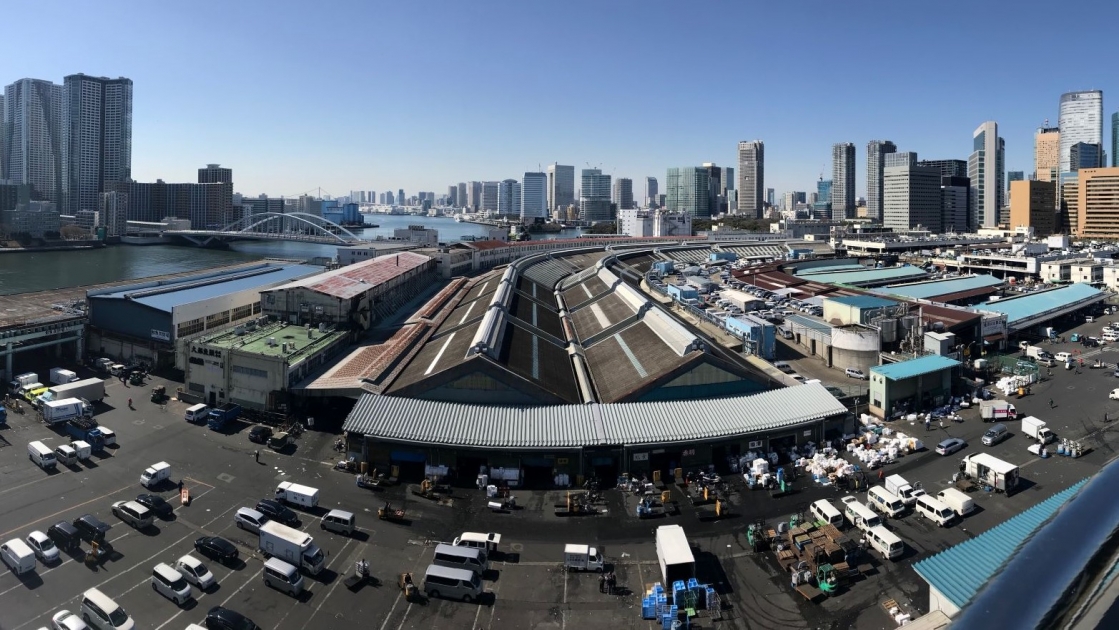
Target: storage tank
x=854 y=347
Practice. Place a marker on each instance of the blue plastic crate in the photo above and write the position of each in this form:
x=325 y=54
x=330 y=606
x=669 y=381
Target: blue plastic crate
x=678 y=585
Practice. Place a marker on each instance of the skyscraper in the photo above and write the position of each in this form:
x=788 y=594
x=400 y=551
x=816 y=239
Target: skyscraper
x=400 y=198
x=461 y=195
x=1084 y=155
x=985 y=169
x=594 y=196
x=509 y=197
x=561 y=186
x=822 y=207
x=947 y=168
x=452 y=195
x=751 y=178
x=623 y=193
x=31 y=131
x=96 y=138
x=843 y=180
x=876 y=151
x=1047 y=153
x=1080 y=120
x=911 y=197
x=770 y=197
x=222 y=208
x=687 y=190
x=651 y=192
x=1012 y=176
x=534 y=196
x=1115 y=139
x=955 y=198
x=489 y=197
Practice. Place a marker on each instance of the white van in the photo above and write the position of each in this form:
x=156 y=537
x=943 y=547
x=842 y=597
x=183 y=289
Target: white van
x=283 y=576
x=885 y=542
x=452 y=583
x=196 y=413
x=1110 y=335
x=958 y=501
x=935 y=511
x=170 y=584
x=42 y=456
x=824 y=511
x=103 y=613
x=339 y=521
x=461 y=558
x=884 y=502
x=155 y=475
x=485 y=542
x=18 y=556
x=66 y=455
x=107 y=434
x=859 y=515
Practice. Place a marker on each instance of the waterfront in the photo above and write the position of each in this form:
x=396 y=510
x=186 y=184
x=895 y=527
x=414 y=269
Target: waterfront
x=39 y=271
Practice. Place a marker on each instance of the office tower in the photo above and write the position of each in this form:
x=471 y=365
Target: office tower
x=876 y=152
x=716 y=189
x=1098 y=202
x=623 y=193
x=822 y=206
x=401 y=200
x=113 y=207
x=474 y=196
x=1011 y=176
x=1031 y=205
x=1084 y=155
x=1080 y=120
x=534 y=196
x=905 y=158
x=1115 y=139
x=31 y=131
x=651 y=192
x=390 y=198
x=561 y=186
x=770 y=197
x=985 y=168
x=461 y=195
x=509 y=197
x=955 y=202
x=452 y=195
x=843 y=180
x=789 y=200
x=911 y=197
x=1047 y=153
x=727 y=180
x=594 y=196
x=222 y=208
x=947 y=168
x=489 y=197
x=96 y=138
x=751 y=178
x=687 y=190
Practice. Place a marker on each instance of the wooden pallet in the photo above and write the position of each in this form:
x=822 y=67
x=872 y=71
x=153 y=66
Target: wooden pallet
x=888 y=604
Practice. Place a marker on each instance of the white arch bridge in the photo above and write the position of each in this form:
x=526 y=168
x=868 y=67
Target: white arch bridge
x=275 y=226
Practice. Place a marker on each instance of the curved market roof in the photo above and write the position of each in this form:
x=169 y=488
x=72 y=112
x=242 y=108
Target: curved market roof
x=573 y=426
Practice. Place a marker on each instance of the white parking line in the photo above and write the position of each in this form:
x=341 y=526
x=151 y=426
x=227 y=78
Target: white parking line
x=204 y=594
x=332 y=587
x=66 y=561
x=401 y=594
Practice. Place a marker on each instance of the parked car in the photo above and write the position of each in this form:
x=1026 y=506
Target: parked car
x=260 y=434
x=855 y=373
x=216 y=548
x=65 y=535
x=278 y=512
x=91 y=529
x=949 y=446
x=156 y=504
x=221 y=618
x=66 y=620
x=195 y=572
x=43 y=546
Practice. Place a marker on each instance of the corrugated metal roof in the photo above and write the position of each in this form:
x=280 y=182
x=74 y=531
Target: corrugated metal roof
x=868 y=276
x=1034 y=304
x=830 y=268
x=862 y=301
x=960 y=571
x=355 y=279
x=167 y=297
x=925 y=290
x=808 y=322
x=915 y=367
x=573 y=426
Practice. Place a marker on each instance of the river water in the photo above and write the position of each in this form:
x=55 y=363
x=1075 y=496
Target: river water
x=38 y=271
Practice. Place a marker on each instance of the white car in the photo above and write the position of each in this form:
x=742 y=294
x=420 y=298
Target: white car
x=66 y=620
x=855 y=373
x=1114 y=395
x=195 y=572
x=45 y=549
x=1063 y=357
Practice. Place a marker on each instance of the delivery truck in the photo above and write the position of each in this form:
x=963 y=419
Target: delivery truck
x=991 y=471
x=58 y=411
x=222 y=416
x=91 y=389
x=305 y=497
x=1036 y=428
x=674 y=554
x=60 y=376
x=582 y=558
x=997 y=410
x=21 y=381
x=86 y=430
x=292 y=546
x=902 y=489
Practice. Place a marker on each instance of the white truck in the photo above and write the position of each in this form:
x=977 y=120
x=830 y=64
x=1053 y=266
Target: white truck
x=58 y=411
x=582 y=558
x=60 y=376
x=1037 y=352
x=305 y=497
x=991 y=471
x=902 y=489
x=91 y=389
x=1036 y=428
x=21 y=381
x=292 y=546
x=997 y=410
x=674 y=554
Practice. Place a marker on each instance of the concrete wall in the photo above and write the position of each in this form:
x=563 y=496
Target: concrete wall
x=938 y=601
x=885 y=393
x=855 y=348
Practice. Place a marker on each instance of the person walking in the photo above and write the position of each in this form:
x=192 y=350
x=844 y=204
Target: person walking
x=256 y=454
x=928 y=424
x=180 y=486
x=881 y=474
x=1051 y=403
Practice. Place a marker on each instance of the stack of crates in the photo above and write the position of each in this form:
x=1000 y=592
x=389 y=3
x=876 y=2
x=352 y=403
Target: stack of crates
x=654 y=603
x=712 y=599
x=668 y=619
x=697 y=590
x=678 y=589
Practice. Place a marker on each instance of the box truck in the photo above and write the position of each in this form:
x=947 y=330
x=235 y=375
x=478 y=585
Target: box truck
x=902 y=489
x=291 y=545
x=294 y=494
x=58 y=411
x=674 y=554
x=60 y=376
x=996 y=410
x=991 y=471
x=221 y=416
x=582 y=558
x=1036 y=428
x=91 y=389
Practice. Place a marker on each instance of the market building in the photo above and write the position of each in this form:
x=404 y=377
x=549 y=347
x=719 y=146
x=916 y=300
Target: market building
x=912 y=386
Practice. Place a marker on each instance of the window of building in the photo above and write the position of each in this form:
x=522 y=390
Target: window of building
x=217 y=319
x=241 y=312
x=196 y=387
x=248 y=371
x=192 y=327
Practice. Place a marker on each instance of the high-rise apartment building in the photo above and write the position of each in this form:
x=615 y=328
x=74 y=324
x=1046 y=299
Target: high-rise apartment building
x=985 y=168
x=561 y=186
x=911 y=197
x=843 y=180
x=1084 y=155
x=461 y=195
x=1047 y=153
x=474 y=196
x=222 y=212
x=594 y=196
x=96 y=139
x=452 y=195
x=751 y=178
x=1032 y=204
x=652 y=192
x=947 y=168
x=534 y=196
x=876 y=152
x=955 y=203
x=489 y=196
x=113 y=207
x=1098 y=202
x=31 y=130
x=623 y=193
x=509 y=197
x=687 y=190
x=1080 y=120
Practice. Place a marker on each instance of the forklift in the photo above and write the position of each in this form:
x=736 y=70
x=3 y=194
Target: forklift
x=159 y=395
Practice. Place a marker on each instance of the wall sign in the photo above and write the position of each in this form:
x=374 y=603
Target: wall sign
x=161 y=335
x=640 y=457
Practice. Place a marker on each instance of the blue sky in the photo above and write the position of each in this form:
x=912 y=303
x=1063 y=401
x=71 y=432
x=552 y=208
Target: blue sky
x=416 y=95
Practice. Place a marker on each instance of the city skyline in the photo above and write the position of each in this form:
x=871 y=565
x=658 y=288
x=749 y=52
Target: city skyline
x=363 y=137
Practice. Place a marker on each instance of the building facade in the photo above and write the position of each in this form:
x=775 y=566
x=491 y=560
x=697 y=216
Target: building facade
x=687 y=189
x=97 y=138
x=751 y=178
x=985 y=168
x=490 y=193
x=561 y=186
x=911 y=197
x=1032 y=204
x=623 y=193
x=594 y=196
x=843 y=180
x=215 y=174
x=1085 y=155
x=1047 y=153
x=31 y=130
x=955 y=203
x=947 y=168
x=645 y=222
x=876 y=152
x=652 y=192
x=1080 y=119
x=1098 y=202
x=114 y=212
x=534 y=196
x=509 y=197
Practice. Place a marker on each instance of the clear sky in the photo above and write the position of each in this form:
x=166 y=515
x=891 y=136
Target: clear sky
x=416 y=95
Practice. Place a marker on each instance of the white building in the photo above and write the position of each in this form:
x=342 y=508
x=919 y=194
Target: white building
x=509 y=197
x=641 y=223
x=418 y=234
x=987 y=190
x=31 y=136
x=113 y=207
x=561 y=186
x=911 y=197
x=751 y=178
x=1080 y=119
x=97 y=138
x=534 y=196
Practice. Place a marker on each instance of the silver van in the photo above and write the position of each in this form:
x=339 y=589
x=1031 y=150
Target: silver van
x=133 y=513
x=42 y=456
x=339 y=521
x=283 y=576
x=995 y=434
x=170 y=583
x=451 y=583
x=467 y=558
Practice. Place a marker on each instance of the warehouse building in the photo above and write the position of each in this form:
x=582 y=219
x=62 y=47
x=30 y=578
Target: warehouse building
x=911 y=386
x=1040 y=307
x=355 y=296
x=256 y=365
x=150 y=321
x=964 y=290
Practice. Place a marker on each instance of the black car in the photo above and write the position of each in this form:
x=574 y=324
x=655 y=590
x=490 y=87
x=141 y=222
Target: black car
x=90 y=528
x=220 y=618
x=278 y=512
x=216 y=548
x=260 y=434
x=65 y=536
x=156 y=504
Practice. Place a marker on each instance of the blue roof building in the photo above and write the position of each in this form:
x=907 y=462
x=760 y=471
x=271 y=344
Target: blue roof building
x=1041 y=306
x=910 y=386
x=864 y=277
x=940 y=288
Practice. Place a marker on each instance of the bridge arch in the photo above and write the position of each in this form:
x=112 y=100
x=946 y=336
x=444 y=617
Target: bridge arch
x=323 y=226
